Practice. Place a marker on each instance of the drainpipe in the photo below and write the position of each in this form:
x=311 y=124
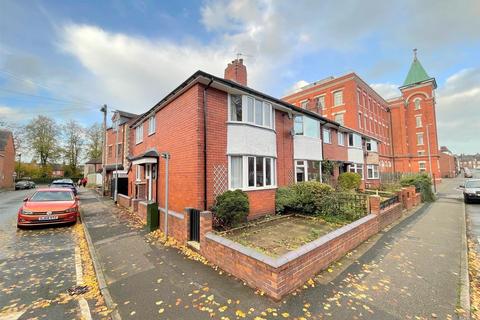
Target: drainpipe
x=205 y=145
x=391 y=139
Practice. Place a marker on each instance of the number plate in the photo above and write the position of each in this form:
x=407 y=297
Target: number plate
x=48 y=218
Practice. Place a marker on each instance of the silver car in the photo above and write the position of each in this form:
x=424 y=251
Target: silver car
x=471 y=190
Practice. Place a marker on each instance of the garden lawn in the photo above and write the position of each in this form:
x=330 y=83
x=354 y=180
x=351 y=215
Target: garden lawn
x=279 y=236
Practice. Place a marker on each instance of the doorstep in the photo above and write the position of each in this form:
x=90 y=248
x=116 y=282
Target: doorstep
x=194 y=245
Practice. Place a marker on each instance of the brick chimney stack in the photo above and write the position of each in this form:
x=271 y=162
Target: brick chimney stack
x=236 y=71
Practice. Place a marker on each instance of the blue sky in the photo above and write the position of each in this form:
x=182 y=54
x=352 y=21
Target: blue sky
x=66 y=58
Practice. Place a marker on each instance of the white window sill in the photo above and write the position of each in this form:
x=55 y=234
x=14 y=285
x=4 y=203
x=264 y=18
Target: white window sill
x=151 y=133
x=250 y=124
x=246 y=189
x=138 y=142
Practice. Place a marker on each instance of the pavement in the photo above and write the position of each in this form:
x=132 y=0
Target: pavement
x=412 y=270
x=37 y=267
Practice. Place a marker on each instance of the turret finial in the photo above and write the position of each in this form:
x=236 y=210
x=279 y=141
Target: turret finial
x=415 y=53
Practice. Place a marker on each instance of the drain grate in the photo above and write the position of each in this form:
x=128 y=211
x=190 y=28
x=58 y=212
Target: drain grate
x=76 y=290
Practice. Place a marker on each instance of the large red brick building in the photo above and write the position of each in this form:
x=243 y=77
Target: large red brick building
x=7 y=159
x=405 y=127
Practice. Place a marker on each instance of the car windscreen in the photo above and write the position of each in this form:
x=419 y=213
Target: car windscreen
x=52 y=196
x=472 y=184
x=62 y=185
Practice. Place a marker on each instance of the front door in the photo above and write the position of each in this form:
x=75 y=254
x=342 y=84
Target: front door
x=148 y=177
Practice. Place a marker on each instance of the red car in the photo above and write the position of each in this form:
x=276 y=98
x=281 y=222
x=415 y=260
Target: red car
x=49 y=206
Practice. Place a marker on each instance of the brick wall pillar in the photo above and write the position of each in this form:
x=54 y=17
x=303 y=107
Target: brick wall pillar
x=399 y=195
x=374 y=204
x=206 y=225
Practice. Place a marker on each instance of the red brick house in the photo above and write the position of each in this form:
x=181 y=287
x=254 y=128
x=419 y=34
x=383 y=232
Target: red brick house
x=7 y=159
x=404 y=127
x=220 y=135
x=448 y=163
x=117 y=149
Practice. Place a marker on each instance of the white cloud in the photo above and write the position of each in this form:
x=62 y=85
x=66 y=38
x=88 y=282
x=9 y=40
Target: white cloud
x=10 y=113
x=296 y=87
x=458 y=111
x=386 y=90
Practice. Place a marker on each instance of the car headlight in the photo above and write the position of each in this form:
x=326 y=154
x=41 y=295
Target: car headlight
x=70 y=210
x=26 y=211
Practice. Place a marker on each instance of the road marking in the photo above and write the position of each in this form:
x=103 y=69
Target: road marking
x=83 y=304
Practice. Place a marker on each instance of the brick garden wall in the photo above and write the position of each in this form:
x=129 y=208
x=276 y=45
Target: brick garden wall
x=178 y=225
x=123 y=200
x=142 y=210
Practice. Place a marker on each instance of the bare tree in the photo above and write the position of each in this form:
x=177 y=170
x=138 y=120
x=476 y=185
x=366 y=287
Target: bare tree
x=74 y=135
x=94 y=136
x=42 y=136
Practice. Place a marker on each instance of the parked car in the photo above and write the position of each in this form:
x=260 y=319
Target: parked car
x=471 y=190
x=49 y=206
x=64 y=183
x=24 y=184
x=467 y=173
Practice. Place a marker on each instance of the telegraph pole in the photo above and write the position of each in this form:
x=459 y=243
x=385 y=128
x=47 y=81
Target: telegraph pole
x=104 y=141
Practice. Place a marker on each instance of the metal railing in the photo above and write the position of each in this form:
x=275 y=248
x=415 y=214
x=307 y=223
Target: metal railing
x=390 y=201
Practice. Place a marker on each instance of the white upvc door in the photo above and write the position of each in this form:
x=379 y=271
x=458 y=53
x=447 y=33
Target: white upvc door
x=148 y=177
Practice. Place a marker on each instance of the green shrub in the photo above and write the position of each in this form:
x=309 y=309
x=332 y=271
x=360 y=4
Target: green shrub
x=285 y=200
x=301 y=197
x=231 y=208
x=349 y=181
x=421 y=181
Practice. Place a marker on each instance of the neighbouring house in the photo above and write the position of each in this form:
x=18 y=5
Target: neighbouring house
x=470 y=161
x=57 y=170
x=448 y=163
x=117 y=150
x=7 y=159
x=350 y=101
x=93 y=171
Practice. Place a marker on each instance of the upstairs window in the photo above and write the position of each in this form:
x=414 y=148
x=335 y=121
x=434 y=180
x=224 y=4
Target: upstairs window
x=372 y=171
x=339 y=118
x=326 y=135
x=250 y=110
x=341 y=139
x=416 y=103
x=306 y=126
x=338 y=98
x=372 y=146
x=139 y=134
x=151 y=125
x=422 y=166
x=354 y=140
x=304 y=104
x=235 y=107
x=321 y=102
x=418 y=121
x=119 y=150
x=420 y=139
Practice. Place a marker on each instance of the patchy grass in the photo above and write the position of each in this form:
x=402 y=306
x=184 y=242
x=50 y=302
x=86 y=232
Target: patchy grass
x=276 y=237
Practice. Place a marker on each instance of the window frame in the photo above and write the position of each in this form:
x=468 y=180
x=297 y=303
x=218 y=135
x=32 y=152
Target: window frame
x=249 y=112
x=139 y=134
x=326 y=132
x=318 y=99
x=245 y=172
x=356 y=168
x=305 y=166
x=334 y=93
x=416 y=104
x=353 y=140
x=341 y=134
x=152 y=125
x=375 y=173
x=418 y=121
x=420 y=134
x=422 y=169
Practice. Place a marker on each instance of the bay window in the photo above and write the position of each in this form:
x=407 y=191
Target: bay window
x=354 y=140
x=250 y=172
x=341 y=139
x=306 y=126
x=372 y=171
x=307 y=170
x=372 y=145
x=247 y=109
x=356 y=168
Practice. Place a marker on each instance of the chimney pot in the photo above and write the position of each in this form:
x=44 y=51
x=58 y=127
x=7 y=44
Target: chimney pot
x=236 y=71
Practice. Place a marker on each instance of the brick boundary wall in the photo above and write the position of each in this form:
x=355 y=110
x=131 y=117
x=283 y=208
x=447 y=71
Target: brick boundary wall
x=135 y=205
x=123 y=200
x=279 y=276
x=178 y=224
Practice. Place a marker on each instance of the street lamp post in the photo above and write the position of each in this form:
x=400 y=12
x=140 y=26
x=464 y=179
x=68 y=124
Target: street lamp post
x=429 y=155
x=117 y=127
x=19 y=165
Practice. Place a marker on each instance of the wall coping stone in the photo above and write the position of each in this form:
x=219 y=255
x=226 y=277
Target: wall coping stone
x=145 y=203
x=173 y=213
x=124 y=196
x=292 y=255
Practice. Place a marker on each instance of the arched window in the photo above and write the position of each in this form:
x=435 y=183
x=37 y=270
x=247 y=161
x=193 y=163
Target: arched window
x=416 y=102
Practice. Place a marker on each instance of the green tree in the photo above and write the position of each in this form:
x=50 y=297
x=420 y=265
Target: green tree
x=73 y=145
x=42 y=138
x=94 y=135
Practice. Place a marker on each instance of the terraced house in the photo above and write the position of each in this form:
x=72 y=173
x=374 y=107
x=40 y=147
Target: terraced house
x=220 y=134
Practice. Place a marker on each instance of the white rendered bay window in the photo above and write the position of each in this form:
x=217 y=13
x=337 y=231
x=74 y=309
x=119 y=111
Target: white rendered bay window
x=247 y=109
